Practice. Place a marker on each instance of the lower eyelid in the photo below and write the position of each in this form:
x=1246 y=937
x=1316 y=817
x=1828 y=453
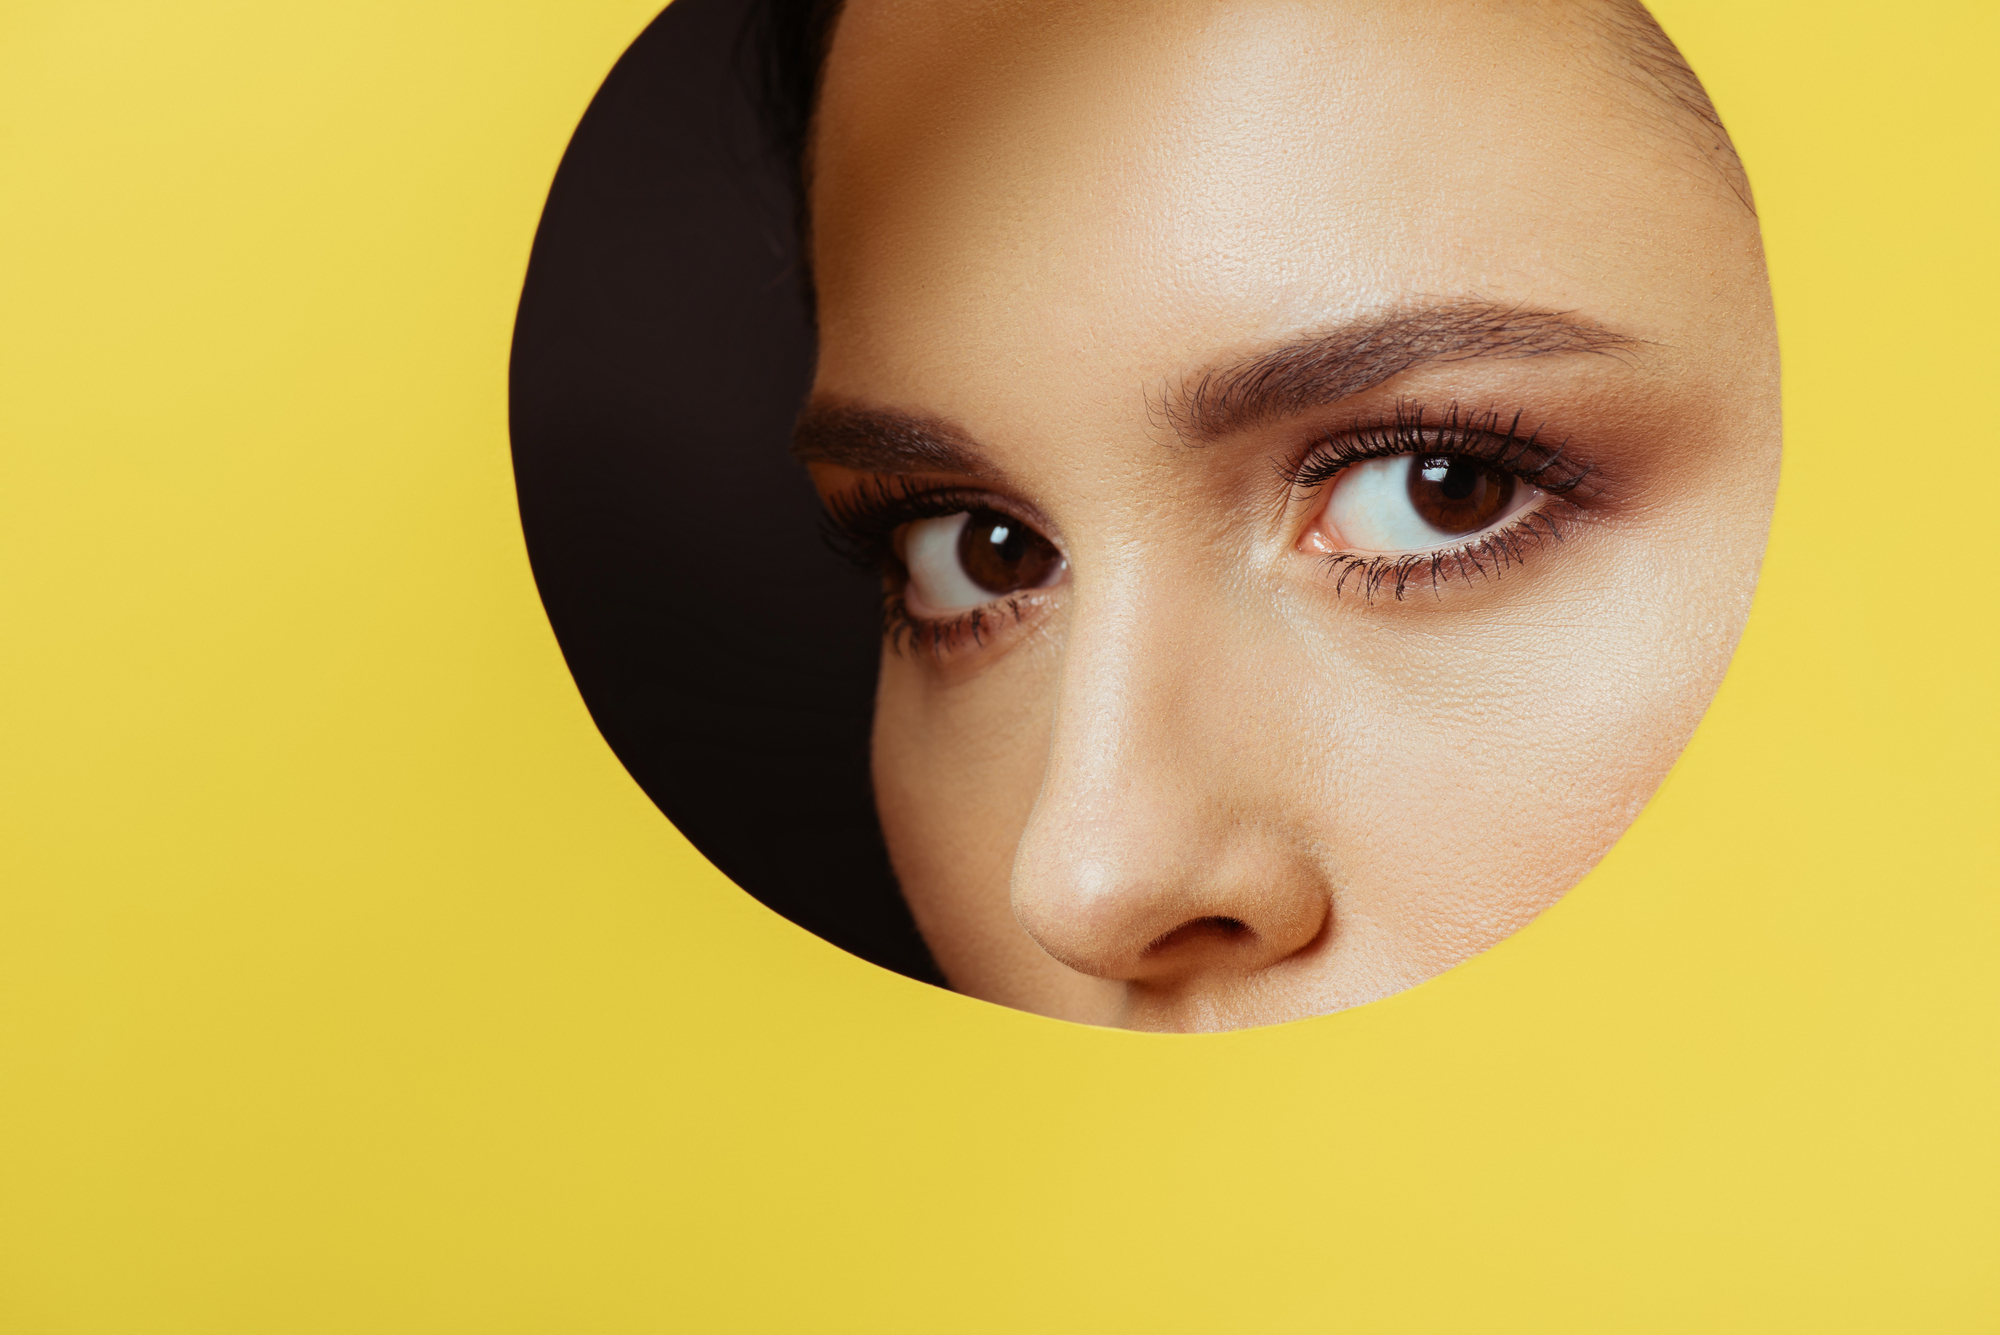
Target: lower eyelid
x=1488 y=554
x=943 y=637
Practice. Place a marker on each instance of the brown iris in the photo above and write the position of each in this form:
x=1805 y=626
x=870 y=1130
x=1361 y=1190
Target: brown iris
x=1458 y=495
x=1002 y=555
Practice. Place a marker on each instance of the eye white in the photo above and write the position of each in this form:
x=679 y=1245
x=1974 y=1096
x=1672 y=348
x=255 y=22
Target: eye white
x=1369 y=508
x=938 y=582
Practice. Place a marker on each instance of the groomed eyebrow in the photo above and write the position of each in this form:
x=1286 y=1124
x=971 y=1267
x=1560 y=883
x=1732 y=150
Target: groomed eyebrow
x=877 y=440
x=1327 y=367
x=1279 y=382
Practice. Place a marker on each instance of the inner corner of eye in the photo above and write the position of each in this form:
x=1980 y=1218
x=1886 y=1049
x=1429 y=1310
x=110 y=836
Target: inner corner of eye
x=1321 y=537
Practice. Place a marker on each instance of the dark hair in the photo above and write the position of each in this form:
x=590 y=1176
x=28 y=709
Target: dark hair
x=660 y=355
x=787 y=41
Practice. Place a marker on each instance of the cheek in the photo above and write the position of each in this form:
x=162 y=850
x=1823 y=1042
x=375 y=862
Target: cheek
x=1486 y=762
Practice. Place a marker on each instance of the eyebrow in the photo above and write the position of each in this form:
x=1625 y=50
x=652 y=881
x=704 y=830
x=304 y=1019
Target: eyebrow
x=1327 y=367
x=876 y=440
x=1284 y=381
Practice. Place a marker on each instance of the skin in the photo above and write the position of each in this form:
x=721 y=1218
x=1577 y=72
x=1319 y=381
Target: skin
x=1195 y=785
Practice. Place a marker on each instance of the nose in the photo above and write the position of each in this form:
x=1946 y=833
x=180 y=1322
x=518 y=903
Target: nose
x=1161 y=849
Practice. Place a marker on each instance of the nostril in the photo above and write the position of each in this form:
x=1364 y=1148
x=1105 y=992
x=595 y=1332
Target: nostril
x=1216 y=928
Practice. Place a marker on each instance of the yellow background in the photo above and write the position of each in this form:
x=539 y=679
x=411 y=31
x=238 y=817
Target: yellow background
x=348 y=984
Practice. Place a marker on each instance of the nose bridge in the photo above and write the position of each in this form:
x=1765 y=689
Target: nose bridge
x=1147 y=695
x=1158 y=849
x=1127 y=689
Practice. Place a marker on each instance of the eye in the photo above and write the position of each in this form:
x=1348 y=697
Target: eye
x=1409 y=502
x=957 y=562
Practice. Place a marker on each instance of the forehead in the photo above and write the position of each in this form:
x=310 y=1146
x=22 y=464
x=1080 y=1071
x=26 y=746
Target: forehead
x=1140 y=184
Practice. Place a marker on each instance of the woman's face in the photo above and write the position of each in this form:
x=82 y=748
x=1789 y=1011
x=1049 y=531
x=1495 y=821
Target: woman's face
x=1321 y=453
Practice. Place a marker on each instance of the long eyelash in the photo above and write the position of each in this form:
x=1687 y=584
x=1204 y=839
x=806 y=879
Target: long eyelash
x=862 y=524
x=1475 y=436
x=937 y=638
x=1548 y=468
x=1487 y=556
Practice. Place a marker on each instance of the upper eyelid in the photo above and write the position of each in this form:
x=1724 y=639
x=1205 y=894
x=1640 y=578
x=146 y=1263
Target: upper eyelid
x=1558 y=469
x=895 y=491
x=1548 y=464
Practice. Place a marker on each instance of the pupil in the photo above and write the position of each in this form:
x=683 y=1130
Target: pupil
x=1457 y=495
x=1452 y=476
x=1002 y=555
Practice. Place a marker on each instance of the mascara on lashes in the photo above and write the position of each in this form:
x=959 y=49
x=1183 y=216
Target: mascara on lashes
x=862 y=523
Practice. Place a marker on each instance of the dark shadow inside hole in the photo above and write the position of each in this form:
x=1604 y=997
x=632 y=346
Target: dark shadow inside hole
x=661 y=352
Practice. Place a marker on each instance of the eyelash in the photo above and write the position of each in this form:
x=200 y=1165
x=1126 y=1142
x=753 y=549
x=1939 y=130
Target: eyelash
x=938 y=638
x=862 y=525
x=1479 y=437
